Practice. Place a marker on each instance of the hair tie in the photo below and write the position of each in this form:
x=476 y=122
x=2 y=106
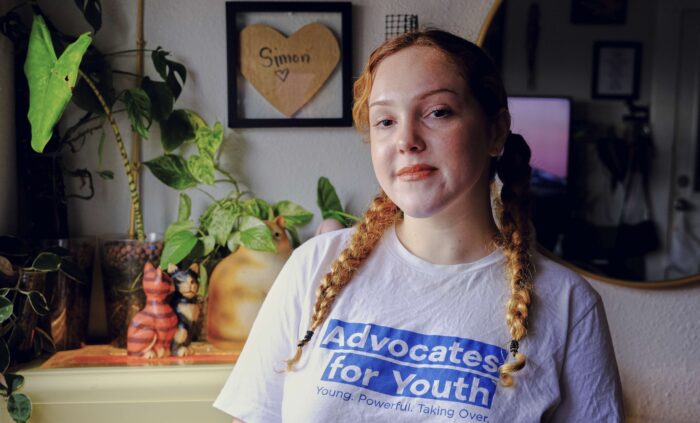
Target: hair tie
x=307 y=338
x=514 y=347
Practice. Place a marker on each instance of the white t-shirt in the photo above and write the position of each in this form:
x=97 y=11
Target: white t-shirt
x=411 y=341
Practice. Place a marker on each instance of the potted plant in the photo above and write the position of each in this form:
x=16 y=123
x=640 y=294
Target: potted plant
x=83 y=75
x=23 y=333
x=235 y=222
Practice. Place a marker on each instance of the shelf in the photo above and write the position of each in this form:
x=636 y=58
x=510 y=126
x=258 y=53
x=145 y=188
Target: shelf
x=126 y=393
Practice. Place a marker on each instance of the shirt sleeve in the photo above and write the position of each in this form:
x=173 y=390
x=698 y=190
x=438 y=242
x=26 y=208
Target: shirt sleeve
x=589 y=381
x=254 y=390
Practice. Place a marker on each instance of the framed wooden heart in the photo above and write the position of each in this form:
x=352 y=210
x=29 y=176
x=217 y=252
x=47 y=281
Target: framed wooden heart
x=288 y=71
x=289 y=63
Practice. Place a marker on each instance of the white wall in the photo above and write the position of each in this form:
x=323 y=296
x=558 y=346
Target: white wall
x=276 y=164
x=655 y=332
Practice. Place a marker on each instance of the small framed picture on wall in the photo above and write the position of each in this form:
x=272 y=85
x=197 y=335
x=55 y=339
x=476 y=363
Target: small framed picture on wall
x=289 y=64
x=616 y=70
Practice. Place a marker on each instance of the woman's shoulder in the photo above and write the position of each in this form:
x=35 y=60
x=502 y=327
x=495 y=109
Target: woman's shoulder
x=558 y=286
x=322 y=247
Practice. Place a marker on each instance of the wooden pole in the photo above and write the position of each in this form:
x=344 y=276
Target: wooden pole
x=135 y=137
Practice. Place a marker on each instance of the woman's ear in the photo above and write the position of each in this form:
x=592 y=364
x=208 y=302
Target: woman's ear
x=500 y=128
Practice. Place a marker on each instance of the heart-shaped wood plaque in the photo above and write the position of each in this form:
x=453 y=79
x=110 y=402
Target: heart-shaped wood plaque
x=288 y=72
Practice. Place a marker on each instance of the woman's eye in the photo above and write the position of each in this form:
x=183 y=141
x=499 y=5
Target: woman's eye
x=440 y=113
x=384 y=123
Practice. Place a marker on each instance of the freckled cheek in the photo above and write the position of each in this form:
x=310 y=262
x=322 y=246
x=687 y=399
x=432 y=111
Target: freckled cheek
x=380 y=162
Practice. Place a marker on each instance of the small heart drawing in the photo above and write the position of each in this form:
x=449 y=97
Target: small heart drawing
x=282 y=74
x=288 y=71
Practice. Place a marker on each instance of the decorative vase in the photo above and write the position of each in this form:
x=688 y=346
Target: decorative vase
x=68 y=299
x=122 y=262
x=237 y=288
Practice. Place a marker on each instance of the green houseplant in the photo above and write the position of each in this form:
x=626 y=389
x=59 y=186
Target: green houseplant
x=82 y=74
x=22 y=305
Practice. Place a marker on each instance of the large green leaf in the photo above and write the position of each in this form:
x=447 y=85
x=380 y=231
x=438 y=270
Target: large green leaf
x=172 y=171
x=202 y=168
x=177 y=247
x=19 y=407
x=169 y=70
x=175 y=227
x=208 y=139
x=92 y=10
x=5 y=309
x=256 y=235
x=51 y=80
x=327 y=198
x=294 y=214
x=138 y=107
x=176 y=129
x=161 y=98
x=221 y=223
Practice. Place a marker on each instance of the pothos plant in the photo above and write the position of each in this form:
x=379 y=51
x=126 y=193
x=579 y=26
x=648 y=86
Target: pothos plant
x=12 y=291
x=83 y=75
x=227 y=224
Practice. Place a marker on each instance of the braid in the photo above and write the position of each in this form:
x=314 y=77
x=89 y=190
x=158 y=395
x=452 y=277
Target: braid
x=515 y=240
x=381 y=214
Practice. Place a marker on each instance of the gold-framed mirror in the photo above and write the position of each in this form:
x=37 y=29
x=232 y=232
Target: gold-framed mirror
x=630 y=153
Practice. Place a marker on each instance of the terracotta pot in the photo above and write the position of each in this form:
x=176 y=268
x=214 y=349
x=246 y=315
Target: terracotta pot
x=122 y=261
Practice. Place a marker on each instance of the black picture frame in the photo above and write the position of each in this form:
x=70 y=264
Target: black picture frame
x=616 y=70
x=337 y=95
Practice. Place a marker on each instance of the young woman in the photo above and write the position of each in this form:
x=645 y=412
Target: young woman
x=430 y=308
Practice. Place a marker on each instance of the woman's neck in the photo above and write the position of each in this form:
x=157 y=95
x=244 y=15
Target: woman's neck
x=449 y=240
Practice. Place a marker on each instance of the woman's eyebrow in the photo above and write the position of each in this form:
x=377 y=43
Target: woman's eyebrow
x=419 y=97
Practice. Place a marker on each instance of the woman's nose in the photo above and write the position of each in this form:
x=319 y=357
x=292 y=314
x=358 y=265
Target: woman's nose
x=410 y=139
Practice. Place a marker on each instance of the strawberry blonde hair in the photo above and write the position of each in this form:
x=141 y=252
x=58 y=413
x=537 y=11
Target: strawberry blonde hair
x=511 y=203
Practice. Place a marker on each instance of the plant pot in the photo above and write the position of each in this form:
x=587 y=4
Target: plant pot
x=29 y=335
x=68 y=299
x=122 y=262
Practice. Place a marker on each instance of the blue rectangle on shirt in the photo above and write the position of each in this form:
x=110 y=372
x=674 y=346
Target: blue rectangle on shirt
x=415 y=348
x=387 y=377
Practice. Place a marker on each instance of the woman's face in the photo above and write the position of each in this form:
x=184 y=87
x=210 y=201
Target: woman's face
x=430 y=141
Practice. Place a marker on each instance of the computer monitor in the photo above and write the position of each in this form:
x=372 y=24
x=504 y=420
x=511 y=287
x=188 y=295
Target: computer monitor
x=544 y=122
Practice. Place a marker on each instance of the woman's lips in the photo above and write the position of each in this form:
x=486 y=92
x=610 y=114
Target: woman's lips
x=415 y=172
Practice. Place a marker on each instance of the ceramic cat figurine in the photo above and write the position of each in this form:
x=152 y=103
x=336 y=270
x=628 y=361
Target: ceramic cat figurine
x=152 y=329
x=238 y=286
x=186 y=306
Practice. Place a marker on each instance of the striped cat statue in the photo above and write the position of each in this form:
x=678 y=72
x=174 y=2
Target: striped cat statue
x=152 y=329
